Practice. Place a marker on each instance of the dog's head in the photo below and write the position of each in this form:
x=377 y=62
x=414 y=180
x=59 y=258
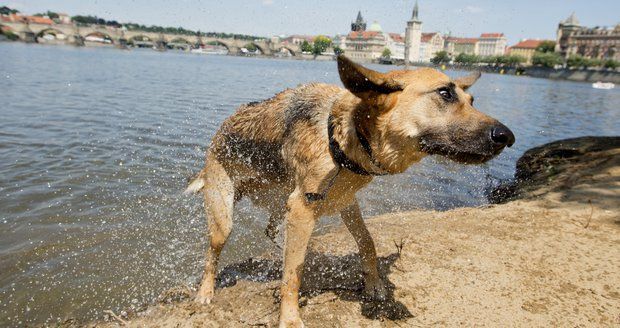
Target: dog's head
x=423 y=111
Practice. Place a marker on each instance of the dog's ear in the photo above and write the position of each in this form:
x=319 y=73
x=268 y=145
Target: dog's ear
x=467 y=81
x=361 y=80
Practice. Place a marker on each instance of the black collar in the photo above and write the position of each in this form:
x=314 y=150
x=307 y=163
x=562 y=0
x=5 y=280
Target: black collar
x=341 y=158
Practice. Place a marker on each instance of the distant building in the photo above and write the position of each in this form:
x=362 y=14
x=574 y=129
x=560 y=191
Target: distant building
x=340 y=41
x=63 y=19
x=359 y=24
x=596 y=42
x=492 y=44
x=298 y=39
x=455 y=46
x=396 y=44
x=413 y=36
x=525 y=48
x=366 y=45
x=430 y=44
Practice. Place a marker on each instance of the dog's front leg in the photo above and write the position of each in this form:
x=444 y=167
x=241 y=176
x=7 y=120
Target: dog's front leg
x=300 y=220
x=373 y=285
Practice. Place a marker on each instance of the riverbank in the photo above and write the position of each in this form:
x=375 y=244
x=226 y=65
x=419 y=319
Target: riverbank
x=579 y=75
x=546 y=258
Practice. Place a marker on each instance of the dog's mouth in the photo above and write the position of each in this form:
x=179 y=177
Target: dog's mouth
x=465 y=155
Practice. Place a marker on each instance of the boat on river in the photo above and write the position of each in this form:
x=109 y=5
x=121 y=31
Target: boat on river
x=603 y=85
x=210 y=50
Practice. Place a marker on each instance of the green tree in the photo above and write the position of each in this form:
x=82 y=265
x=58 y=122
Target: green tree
x=593 y=62
x=510 y=60
x=338 y=51
x=575 y=61
x=387 y=53
x=441 y=57
x=546 y=46
x=321 y=43
x=546 y=59
x=611 y=64
x=466 y=59
x=306 y=46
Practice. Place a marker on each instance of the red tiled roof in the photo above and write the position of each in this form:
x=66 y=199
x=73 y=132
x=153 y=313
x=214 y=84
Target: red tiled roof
x=362 y=34
x=39 y=20
x=491 y=35
x=16 y=18
x=427 y=36
x=397 y=37
x=528 y=44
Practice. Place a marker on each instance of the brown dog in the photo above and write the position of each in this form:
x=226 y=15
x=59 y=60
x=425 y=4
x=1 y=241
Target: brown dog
x=305 y=153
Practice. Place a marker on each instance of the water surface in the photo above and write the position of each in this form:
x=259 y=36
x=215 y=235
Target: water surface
x=96 y=146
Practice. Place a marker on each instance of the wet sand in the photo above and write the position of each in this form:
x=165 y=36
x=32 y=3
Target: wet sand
x=547 y=256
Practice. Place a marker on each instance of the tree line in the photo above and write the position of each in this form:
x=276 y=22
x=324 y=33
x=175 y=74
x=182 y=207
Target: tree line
x=319 y=45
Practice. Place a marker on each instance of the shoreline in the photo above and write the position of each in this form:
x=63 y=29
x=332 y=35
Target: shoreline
x=564 y=74
x=544 y=256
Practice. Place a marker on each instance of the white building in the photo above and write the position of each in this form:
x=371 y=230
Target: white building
x=430 y=44
x=492 y=44
x=396 y=44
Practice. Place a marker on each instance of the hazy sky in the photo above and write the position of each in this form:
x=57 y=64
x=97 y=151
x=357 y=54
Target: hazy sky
x=518 y=19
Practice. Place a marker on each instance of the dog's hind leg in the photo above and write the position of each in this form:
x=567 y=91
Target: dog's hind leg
x=219 y=197
x=373 y=285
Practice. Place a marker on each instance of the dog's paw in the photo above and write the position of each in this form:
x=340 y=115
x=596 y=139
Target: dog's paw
x=204 y=297
x=375 y=291
x=291 y=323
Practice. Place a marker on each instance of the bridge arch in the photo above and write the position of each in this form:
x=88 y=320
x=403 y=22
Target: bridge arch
x=284 y=49
x=252 y=44
x=141 y=41
x=98 y=37
x=178 y=42
x=56 y=35
x=8 y=31
x=179 y=39
x=214 y=43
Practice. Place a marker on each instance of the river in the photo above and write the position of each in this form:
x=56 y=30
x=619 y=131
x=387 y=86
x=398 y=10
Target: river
x=96 y=145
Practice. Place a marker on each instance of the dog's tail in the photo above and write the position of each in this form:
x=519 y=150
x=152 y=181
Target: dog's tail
x=195 y=184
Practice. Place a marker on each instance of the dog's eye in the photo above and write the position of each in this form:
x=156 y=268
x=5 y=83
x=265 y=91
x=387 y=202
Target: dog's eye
x=446 y=94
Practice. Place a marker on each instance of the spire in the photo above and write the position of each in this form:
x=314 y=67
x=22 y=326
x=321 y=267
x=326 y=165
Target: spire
x=358 y=24
x=414 y=16
x=359 y=17
x=572 y=20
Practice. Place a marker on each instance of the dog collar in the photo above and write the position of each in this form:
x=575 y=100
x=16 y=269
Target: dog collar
x=341 y=158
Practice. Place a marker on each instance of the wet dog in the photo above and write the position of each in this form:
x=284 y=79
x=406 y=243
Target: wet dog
x=305 y=153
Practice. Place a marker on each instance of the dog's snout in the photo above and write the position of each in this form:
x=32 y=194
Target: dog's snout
x=502 y=136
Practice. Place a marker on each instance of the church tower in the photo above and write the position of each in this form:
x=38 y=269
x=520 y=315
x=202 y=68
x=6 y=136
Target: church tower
x=359 y=24
x=564 y=31
x=413 y=36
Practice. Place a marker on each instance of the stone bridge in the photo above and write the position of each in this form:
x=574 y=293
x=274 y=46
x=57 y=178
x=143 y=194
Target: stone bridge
x=84 y=35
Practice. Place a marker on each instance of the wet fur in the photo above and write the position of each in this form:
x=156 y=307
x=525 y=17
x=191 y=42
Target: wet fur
x=276 y=152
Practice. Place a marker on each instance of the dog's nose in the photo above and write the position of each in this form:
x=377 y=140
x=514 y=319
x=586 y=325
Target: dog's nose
x=502 y=136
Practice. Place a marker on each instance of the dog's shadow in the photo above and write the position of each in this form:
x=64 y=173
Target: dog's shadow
x=322 y=273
